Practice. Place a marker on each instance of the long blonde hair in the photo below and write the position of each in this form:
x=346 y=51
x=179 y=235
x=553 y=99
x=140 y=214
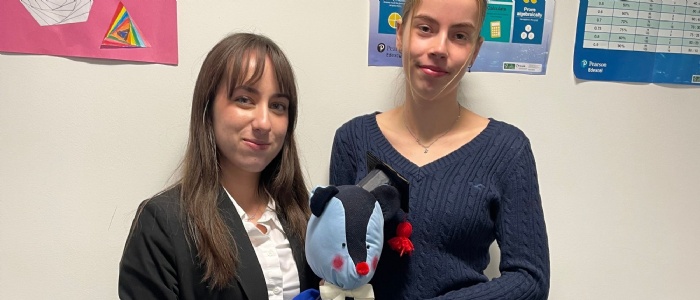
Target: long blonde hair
x=409 y=5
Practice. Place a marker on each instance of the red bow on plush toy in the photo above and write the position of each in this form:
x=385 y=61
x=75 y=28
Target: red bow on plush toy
x=401 y=243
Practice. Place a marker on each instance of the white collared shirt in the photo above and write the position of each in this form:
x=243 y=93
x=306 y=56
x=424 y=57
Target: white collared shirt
x=274 y=253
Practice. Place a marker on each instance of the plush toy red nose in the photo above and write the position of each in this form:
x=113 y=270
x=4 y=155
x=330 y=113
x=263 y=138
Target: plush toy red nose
x=362 y=268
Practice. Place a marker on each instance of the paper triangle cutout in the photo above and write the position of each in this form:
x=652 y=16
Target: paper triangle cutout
x=123 y=31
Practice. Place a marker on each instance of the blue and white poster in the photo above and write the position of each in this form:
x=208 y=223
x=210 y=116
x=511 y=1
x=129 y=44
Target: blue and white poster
x=517 y=35
x=651 y=41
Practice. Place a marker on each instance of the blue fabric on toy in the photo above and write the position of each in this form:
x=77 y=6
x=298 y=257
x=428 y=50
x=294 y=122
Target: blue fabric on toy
x=345 y=238
x=346 y=231
x=310 y=294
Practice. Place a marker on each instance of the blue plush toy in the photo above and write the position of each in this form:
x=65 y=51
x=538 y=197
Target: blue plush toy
x=345 y=234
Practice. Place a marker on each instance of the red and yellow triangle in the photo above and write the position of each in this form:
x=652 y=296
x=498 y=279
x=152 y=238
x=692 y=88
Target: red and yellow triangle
x=123 y=31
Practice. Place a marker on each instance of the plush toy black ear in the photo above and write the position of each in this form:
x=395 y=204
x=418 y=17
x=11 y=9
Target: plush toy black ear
x=397 y=230
x=320 y=197
x=389 y=200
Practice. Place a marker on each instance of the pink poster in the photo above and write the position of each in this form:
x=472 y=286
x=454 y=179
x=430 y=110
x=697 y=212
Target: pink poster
x=134 y=30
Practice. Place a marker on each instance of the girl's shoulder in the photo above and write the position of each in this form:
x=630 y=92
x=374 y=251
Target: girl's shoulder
x=360 y=121
x=164 y=206
x=506 y=131
x=357 y=127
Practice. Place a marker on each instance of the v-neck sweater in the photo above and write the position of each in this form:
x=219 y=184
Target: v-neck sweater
x=485 y=190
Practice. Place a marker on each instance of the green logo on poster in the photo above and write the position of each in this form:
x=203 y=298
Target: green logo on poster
x=508 y=66
x=696 y=79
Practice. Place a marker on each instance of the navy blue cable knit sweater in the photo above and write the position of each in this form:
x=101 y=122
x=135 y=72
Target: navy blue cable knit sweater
x=459 y=204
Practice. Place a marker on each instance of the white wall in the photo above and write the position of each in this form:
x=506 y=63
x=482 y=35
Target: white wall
x=83 y=141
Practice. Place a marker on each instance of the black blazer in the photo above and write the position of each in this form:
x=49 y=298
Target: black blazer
x=159 y=263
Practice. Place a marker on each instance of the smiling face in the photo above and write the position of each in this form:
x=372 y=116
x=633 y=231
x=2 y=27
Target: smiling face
x=439 y=40
x=250 y=124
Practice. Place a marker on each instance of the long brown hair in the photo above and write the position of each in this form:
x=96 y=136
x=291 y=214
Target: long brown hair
x=200 y=184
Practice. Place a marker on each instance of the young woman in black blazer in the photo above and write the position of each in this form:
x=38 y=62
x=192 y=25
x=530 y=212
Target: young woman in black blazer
x=233 y=226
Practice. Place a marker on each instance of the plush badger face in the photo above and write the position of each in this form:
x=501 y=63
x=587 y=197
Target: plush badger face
x=344 y=242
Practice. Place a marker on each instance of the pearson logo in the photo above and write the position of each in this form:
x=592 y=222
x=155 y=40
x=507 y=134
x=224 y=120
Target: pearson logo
x=593 y=67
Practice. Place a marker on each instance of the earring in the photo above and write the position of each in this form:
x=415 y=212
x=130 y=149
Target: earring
x=469 y=69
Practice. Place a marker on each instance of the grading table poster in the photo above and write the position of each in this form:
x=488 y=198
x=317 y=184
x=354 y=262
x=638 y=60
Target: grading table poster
x=652 y=41
x=516 y=34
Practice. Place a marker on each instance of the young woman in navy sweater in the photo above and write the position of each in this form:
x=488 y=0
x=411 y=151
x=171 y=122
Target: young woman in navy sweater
x=472 y=179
